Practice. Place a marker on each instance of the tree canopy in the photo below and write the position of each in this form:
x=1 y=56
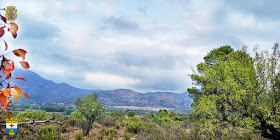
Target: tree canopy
x=91 y=109
x=238 y=89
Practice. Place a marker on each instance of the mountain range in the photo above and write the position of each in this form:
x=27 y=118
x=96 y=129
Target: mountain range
x=41 y=90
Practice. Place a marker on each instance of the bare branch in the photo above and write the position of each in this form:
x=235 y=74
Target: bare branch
x=51 y=120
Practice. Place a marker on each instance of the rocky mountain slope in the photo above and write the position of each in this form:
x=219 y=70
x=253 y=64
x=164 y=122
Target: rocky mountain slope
x=46 y=91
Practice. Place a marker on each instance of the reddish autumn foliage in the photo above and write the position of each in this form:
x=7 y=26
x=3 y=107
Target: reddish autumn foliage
x=10 y=91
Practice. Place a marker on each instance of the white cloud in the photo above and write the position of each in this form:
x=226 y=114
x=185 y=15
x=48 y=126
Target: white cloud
x=110 y=44
x=109 y=81
x=248 y=22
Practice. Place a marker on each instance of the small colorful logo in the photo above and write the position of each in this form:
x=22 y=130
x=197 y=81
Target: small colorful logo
x=11 y=126
x=11 y=13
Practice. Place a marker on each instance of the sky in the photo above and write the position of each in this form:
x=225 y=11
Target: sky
x=143 y=45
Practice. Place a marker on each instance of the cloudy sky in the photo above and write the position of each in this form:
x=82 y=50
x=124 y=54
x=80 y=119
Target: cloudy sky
x=144 y=45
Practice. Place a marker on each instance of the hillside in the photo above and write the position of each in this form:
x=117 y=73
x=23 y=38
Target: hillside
x=46 y=91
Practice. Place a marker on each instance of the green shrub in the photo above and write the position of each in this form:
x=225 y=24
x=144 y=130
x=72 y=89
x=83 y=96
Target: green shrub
x=172 y=114
x=50 y=132
x=118 y=114
x=126 y=136
x=109 y=121
x=24 y=134
x=79 y=136
x=68 y=111
x=158 y=120
x=36 y=114
x=133 y=125
x=53 y=108
x=150 y=115
x=75 y=119
x=163 y=113
x=130 y=114
x=108 y=134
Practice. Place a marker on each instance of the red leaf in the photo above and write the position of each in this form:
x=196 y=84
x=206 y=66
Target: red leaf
x=6 y=92
x=21 y=79
x=7 y=68
x=6 y=45
x=8 y=105
x=20 y=53
x=25 y=95
x=24 y=64
x=3 y=19
x=14 y=33
x=2 y=32
x=13 y=26
x=3 y=99
x=13 y=66
x=6 y=65
x=9 y=76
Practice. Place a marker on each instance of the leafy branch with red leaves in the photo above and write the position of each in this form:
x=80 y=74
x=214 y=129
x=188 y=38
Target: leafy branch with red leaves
x=9 y=90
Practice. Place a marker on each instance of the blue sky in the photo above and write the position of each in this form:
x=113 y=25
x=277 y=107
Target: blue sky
x=144 y=45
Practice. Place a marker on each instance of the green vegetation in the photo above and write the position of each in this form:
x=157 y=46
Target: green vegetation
x=35 y=114
x=50 y=132
x=163 y=125
x=131 y=114
x=53 y=108
x=239 y=94
x=91 y=109
x=239 y=99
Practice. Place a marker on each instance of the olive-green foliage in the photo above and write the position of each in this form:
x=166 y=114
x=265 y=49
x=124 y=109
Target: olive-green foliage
x=150 y=115
x=162 y=113
x=91 y=109
x=126 y=136
x=147 y=129
x=130 y=114
x=118 y=114
x=114 y=119
x=25 y=134
x=237 y=89
x=50 y=132
x=172 y=114
x=158 y=120
x=68 y=111
x=76 y=119
x=133 y=125
x=79 y=136
x=180 y=117
x=36 y=114
x=200 y=130
x=108 y=134
x=53 y=108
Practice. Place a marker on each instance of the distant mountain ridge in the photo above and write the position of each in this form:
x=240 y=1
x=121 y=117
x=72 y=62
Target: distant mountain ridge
x=46 y=91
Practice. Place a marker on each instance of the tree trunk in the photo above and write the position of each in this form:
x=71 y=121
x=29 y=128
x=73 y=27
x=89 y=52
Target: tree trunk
x=275 y=134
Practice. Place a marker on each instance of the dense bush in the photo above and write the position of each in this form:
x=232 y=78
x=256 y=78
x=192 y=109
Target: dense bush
x=36 y=114
x=50 y=132
x=114 y=119
x=118 y=114
x=68 y=111
x=79 y=136
x=158 y=120
x=53 y=108
x=108 y=134
x=130 y=114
